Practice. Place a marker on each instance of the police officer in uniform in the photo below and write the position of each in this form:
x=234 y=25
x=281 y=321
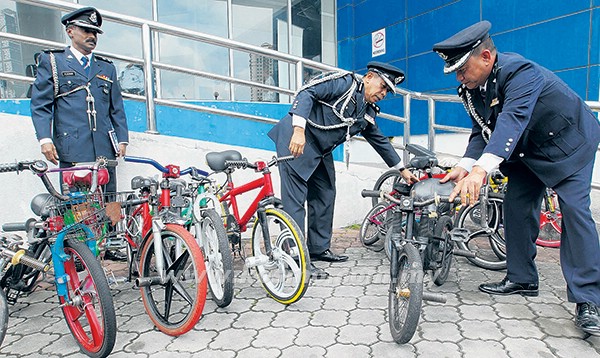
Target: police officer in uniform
x=76 y=103
x=76 y=99
x=326 y=113
x=541 y=134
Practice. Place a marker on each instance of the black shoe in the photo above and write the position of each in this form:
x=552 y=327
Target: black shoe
x=317 y=273
x=115 y=255
x=587 y=318
x=506 y=287
x=328 y=256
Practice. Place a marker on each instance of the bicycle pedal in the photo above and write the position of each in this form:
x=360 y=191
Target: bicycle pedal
x=12 y=296
x=459 y=234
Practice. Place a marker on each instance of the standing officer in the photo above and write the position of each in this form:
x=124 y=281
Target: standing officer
x=541 y=134
x=76 y=102
x=326 y=113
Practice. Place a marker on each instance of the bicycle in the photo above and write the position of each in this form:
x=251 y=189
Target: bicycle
x=279 y=253
x=206 y=224
x=163 y=253
x=82 y=288
x=418 y=246
x=375 y=224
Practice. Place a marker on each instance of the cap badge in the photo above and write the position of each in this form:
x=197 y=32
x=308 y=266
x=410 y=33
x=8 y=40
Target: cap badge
x=93 y=17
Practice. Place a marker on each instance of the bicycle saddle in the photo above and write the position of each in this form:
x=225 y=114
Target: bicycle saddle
x=216 y=160
x=84 y=177
x=142 y=182
x=419 y=151
x=41 y=203
x=429 y=188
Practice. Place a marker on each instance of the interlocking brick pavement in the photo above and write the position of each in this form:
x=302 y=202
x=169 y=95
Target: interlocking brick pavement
x=343 y=316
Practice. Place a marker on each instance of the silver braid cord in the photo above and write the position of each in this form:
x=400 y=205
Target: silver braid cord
x=91 y=110
x=467 y=101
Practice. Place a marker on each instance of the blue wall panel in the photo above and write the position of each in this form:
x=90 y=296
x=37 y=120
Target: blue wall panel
x=374 y=15
x=506 y=15
x=595 y=40
x=594 y=83
x=549 y=44
x=342 y=3
x=346 y=54
x=345 y=23
x=414 y=8
x=427 y=29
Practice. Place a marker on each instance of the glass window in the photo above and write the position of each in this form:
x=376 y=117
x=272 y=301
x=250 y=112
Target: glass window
x=256 y=23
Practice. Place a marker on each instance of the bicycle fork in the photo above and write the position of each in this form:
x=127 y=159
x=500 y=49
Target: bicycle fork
x=260 y=260
x=157 y=227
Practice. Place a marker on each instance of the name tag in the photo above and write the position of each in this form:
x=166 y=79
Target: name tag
x=68 y=73
x=369 y=119
x=495 y=102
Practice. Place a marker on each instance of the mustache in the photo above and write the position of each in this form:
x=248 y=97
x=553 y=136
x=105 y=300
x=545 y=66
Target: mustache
x=91 y=41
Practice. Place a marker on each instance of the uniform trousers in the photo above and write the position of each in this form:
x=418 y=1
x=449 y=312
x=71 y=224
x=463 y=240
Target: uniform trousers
x=579 y=247
x=318 y=192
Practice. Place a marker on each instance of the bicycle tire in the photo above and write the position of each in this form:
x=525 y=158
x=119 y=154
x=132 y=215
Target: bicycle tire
x=90 y=315
x=386 y=182
x=3 y=316
x=212 y=238
x=176 y=305
x=373 y=227
x=406 y=295
x=442 y=230
x=550 y=225
x=489 y=248
x=289 y=255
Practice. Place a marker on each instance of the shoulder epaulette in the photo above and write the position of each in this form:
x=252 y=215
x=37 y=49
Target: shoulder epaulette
x=48 y=50
x=102 y=58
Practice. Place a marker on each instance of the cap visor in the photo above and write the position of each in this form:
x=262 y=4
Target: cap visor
x=87 y=26
x=389 y=84
x=458 y=64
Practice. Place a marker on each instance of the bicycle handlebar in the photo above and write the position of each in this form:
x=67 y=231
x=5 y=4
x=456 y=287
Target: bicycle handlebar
x=192 y=171
x=437 y=199
x=38 y=167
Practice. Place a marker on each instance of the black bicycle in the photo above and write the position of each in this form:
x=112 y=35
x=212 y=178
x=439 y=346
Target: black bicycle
x=423 y=239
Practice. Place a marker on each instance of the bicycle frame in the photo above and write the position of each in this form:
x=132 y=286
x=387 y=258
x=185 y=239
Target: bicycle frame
x=232 y=192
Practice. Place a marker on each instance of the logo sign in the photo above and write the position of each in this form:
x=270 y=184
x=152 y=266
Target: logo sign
x=378 y=43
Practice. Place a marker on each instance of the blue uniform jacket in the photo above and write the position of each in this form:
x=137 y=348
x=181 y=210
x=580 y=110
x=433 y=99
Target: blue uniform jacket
x=319 y=142
x=65 y=119
x=536 y=119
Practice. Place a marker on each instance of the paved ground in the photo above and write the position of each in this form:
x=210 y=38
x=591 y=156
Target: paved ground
x=343 y=316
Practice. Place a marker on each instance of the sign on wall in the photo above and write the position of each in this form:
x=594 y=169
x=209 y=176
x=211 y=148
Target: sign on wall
x=378 y=43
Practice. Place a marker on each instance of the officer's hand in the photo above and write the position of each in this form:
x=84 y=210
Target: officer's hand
x=456 y=174
x=297 y=142
x=408 y=176
x=468 y=188
x=122 y=150
x=49 y=151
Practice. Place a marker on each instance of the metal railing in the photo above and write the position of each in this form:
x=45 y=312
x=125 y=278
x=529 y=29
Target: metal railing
x=149 y=28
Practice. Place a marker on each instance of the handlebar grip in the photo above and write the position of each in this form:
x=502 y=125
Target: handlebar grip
x=19 y=226
x=434 y=297
x=366 y=193
x=14 y=227
x=133 y=202
x=9 y=167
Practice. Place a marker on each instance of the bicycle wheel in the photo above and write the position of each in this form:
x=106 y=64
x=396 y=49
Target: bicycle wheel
x=386 y=182
x=89 y=311
x=550 y=224
x=488 y=245
x=212 y=238
x=373 y=227
x=3 y=316
x=406 y=295
x=283 y=271
x=175 y=305
x=442 y=252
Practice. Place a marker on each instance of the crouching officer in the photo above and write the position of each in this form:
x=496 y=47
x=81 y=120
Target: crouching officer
x=76 y=104
x=326 y=113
